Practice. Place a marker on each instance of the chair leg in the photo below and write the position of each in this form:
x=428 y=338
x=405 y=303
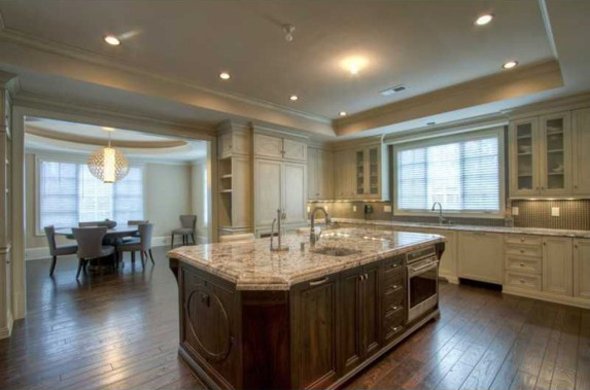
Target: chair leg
x=172 y=242
x=151 y=255
x=193 y=237
x=132 y=257
x=80 y=265
x=142 y=254
x=52 y=268
x=85 y=265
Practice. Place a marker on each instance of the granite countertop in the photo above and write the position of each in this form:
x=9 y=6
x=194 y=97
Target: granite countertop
x=470 y=228
x=252 y=266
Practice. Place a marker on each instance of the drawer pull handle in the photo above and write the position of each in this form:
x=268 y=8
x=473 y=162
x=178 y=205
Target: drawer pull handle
x=395 y=308
x=396 y=329
x=522 y=239
x=522 y=251
x=318 y=282
x=394 y=265
x=522 y=264
x=522 y=281
x=395 y=287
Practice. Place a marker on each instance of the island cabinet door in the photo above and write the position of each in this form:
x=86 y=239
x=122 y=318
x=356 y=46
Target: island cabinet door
x=370 y=310
x=349 y=318
x=314 y=333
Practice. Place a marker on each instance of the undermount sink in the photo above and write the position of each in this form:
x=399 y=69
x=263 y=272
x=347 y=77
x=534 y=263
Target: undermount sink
x=338 y=252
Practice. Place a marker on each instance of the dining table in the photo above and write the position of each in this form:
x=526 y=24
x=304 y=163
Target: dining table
x=112 y=234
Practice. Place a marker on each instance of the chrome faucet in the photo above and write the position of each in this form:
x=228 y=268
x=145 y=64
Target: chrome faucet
x=281 y=215
x=313 y=237
x=441 y=219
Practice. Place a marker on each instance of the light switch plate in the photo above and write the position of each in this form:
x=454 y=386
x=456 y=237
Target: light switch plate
x=387 y=209
x=555 y=211
x=354 y=209
x=515 y=211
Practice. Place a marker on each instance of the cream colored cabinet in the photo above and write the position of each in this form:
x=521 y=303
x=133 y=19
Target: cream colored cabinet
x=480 y=256
x=320 y=174
x=557 y=265
x=582 y=268
x=581 y=148
x=267 y=190
x=344 y=174
x=293 y=187
x=367 y=172
x=279 y=148
x=540 y=156
x=232 y=144
x=448 y=261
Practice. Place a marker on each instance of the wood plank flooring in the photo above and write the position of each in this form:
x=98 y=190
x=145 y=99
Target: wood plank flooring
x=120 y=331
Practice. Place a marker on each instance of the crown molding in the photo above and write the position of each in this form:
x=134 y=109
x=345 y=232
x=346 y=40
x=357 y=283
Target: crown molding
x=110 y=116
x=522 y=81
x=571 y=102
x=111 y=62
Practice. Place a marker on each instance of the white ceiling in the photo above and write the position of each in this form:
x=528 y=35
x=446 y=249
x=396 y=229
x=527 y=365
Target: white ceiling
x=426 y=45
x=189 y=152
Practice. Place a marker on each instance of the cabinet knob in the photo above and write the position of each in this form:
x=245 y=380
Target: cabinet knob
x=576 y=186
x=521 y=264
x=522 y=251
x=522 y=281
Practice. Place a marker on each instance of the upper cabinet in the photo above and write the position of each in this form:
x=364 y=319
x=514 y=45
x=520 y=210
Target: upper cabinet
x=581 y=147
x=279 y=148
x=541 y=156
x=320 y=174
x=360 y=173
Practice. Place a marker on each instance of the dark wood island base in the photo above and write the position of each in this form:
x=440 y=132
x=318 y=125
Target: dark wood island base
x=318 y=334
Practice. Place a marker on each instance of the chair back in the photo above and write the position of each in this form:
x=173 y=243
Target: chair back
x=145 y=235
x=246 y=237
x=90 y=224
x=135 y=222
x=50 y=234
x=89 y=241
x=188 y=221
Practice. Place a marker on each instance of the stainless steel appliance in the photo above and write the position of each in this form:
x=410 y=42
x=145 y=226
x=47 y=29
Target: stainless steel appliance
x=422 y=282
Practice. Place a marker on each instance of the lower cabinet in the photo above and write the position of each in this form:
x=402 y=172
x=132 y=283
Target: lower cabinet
x=582 y=268
x=557 y=265
x=480 y=256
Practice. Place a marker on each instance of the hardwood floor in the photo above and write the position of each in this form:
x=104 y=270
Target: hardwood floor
x=120 y=331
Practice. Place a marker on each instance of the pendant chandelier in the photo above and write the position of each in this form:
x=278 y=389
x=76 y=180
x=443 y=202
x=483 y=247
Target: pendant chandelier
x=108 y=164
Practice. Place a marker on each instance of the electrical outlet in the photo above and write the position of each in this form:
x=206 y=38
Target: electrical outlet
x=555 y=211
x=387 y=209
x=515 y=211
x=354 y=209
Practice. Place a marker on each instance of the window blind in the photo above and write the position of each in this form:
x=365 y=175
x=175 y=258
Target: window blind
x=464 y=176
x=68 y=194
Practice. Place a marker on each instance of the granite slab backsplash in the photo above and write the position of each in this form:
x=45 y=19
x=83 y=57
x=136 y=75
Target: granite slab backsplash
x=573 y=214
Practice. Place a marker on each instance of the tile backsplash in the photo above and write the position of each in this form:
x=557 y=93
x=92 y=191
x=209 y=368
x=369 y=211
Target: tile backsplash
x=573 y=214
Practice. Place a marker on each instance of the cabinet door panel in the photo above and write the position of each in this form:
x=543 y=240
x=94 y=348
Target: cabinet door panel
x=448 y=261
x=314 y=316
x=294 y=190
x=582 y=268
x=481 y=256
x=349 y=351
x=555 y=155
x=557 y=265
x=313 y=173
x=241 y=196
x=524 y=155
x=370 y=311
x=268 y=192
x=294 y=150
x=581 y=145
x=326 y=183
x=267 y=146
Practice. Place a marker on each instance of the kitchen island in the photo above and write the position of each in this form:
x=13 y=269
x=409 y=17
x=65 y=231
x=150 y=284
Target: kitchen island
x=307 y=317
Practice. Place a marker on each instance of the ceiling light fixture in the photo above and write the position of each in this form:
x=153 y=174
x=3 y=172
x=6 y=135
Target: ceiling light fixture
x=224 y=76
x=293 y=98
x=354 y=64
x=108 y=164
x=343 y=113
x=112 y=40
x=484 y=19
x=288 y=29
x=510 y=64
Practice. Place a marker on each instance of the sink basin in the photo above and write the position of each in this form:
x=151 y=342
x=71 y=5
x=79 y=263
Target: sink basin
x=338 y=252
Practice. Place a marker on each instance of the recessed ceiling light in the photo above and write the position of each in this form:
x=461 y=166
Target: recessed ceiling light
x=354 y=64
x=343 y=113
x=224 y=76
x=484 y=19
x=293 y=98
x=510 y=65
x=105 y=128
x=112 y=40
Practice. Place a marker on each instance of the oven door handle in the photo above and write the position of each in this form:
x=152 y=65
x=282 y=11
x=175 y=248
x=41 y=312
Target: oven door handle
x=426 y=267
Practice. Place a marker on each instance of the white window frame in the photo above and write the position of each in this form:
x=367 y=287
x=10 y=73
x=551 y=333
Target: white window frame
x=474 y=135
x=48 y=157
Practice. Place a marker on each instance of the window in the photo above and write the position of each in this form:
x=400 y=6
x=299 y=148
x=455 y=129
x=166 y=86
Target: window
x=463 y=173
x=68 y=194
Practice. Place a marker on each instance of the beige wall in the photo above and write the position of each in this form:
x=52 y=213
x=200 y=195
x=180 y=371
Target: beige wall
x=170 y=190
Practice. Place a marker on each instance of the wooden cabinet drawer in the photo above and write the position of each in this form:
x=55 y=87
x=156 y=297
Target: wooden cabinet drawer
x=523 y=264
x=393 y=326
x=524 y=250
x=526 y=281
x=395 y=264
x=394 y=295
x=523 y=239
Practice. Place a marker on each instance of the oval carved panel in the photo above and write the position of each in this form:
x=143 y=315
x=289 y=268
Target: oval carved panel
x=209 y=324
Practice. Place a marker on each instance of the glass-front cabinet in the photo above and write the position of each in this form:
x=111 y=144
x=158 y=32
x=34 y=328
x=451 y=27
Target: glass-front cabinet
x=540 y=156
x=367 y=174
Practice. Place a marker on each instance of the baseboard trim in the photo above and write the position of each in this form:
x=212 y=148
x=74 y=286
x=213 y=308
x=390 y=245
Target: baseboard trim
x=543 y=296
x=6 y=331
x=43 y=252
x=449 y=278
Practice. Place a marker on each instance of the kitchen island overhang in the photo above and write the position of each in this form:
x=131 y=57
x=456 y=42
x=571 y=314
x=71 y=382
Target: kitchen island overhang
x=251 y=318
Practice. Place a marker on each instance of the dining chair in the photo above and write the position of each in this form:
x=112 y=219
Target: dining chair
x=90 y=245
x=143 y=245
x=135 y=222
x=55 y=250
x=188 y=223
x=237 y=238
